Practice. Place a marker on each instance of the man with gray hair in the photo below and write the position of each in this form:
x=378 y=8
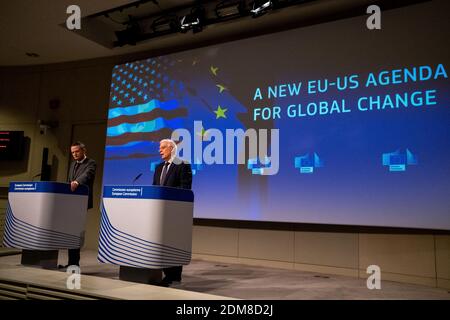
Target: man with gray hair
x=172 y=172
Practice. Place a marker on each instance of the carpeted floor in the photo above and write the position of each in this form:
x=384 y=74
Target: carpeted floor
x=250 y=282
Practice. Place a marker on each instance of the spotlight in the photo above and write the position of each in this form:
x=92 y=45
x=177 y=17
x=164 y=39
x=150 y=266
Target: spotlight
x=193 y=20
x=260 y=7
x=230 y=9
x=166 y=24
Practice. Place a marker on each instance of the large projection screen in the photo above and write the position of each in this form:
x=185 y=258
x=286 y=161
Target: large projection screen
x=362 y=115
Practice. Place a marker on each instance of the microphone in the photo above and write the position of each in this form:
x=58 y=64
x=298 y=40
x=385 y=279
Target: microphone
x=137 y=177
x=38 y=175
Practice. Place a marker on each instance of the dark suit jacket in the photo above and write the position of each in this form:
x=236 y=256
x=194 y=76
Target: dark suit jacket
x=178 y=176
x=84 y=175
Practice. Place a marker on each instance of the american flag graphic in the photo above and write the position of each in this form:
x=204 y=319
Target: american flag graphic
x=144 y=108
x=150 y=98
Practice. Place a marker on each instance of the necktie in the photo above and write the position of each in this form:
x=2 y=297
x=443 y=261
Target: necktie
x=75 y=169
x=163 y=174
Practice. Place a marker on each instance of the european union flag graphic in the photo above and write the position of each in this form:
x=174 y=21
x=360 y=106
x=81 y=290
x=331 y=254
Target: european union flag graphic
x=307 y=163
x=397 y=161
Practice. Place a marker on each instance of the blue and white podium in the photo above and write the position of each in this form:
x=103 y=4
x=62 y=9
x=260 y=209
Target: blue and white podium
x=43 y=217
x=146 y=227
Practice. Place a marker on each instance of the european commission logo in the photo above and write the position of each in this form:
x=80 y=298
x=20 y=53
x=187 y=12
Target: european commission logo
x=308 y=162
x=397 y=161
x=258 y=167
x=196 y=166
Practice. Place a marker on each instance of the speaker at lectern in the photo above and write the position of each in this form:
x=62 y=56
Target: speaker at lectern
x=145 y=229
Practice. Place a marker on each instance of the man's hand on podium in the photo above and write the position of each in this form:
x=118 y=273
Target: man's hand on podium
x=74 y=185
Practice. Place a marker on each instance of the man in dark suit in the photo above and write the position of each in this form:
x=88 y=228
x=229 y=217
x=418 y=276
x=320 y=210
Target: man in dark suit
x=172 y=172
x=81 y=172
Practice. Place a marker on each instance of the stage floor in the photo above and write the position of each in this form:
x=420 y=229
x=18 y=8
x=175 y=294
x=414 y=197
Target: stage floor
x=250 y=282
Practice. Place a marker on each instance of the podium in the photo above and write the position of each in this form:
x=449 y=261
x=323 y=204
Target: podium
x=145 y=229
x=43 y=217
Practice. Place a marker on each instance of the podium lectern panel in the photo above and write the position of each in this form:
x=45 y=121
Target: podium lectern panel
x=147 y=227
x=45 y=216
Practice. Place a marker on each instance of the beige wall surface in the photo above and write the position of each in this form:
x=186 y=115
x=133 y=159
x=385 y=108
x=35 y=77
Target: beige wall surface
x=422 y=259
x=83 y=94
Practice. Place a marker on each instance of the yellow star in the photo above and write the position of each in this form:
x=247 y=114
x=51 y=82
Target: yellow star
x=220 y=113
x=214 y=70
x=221 y=88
